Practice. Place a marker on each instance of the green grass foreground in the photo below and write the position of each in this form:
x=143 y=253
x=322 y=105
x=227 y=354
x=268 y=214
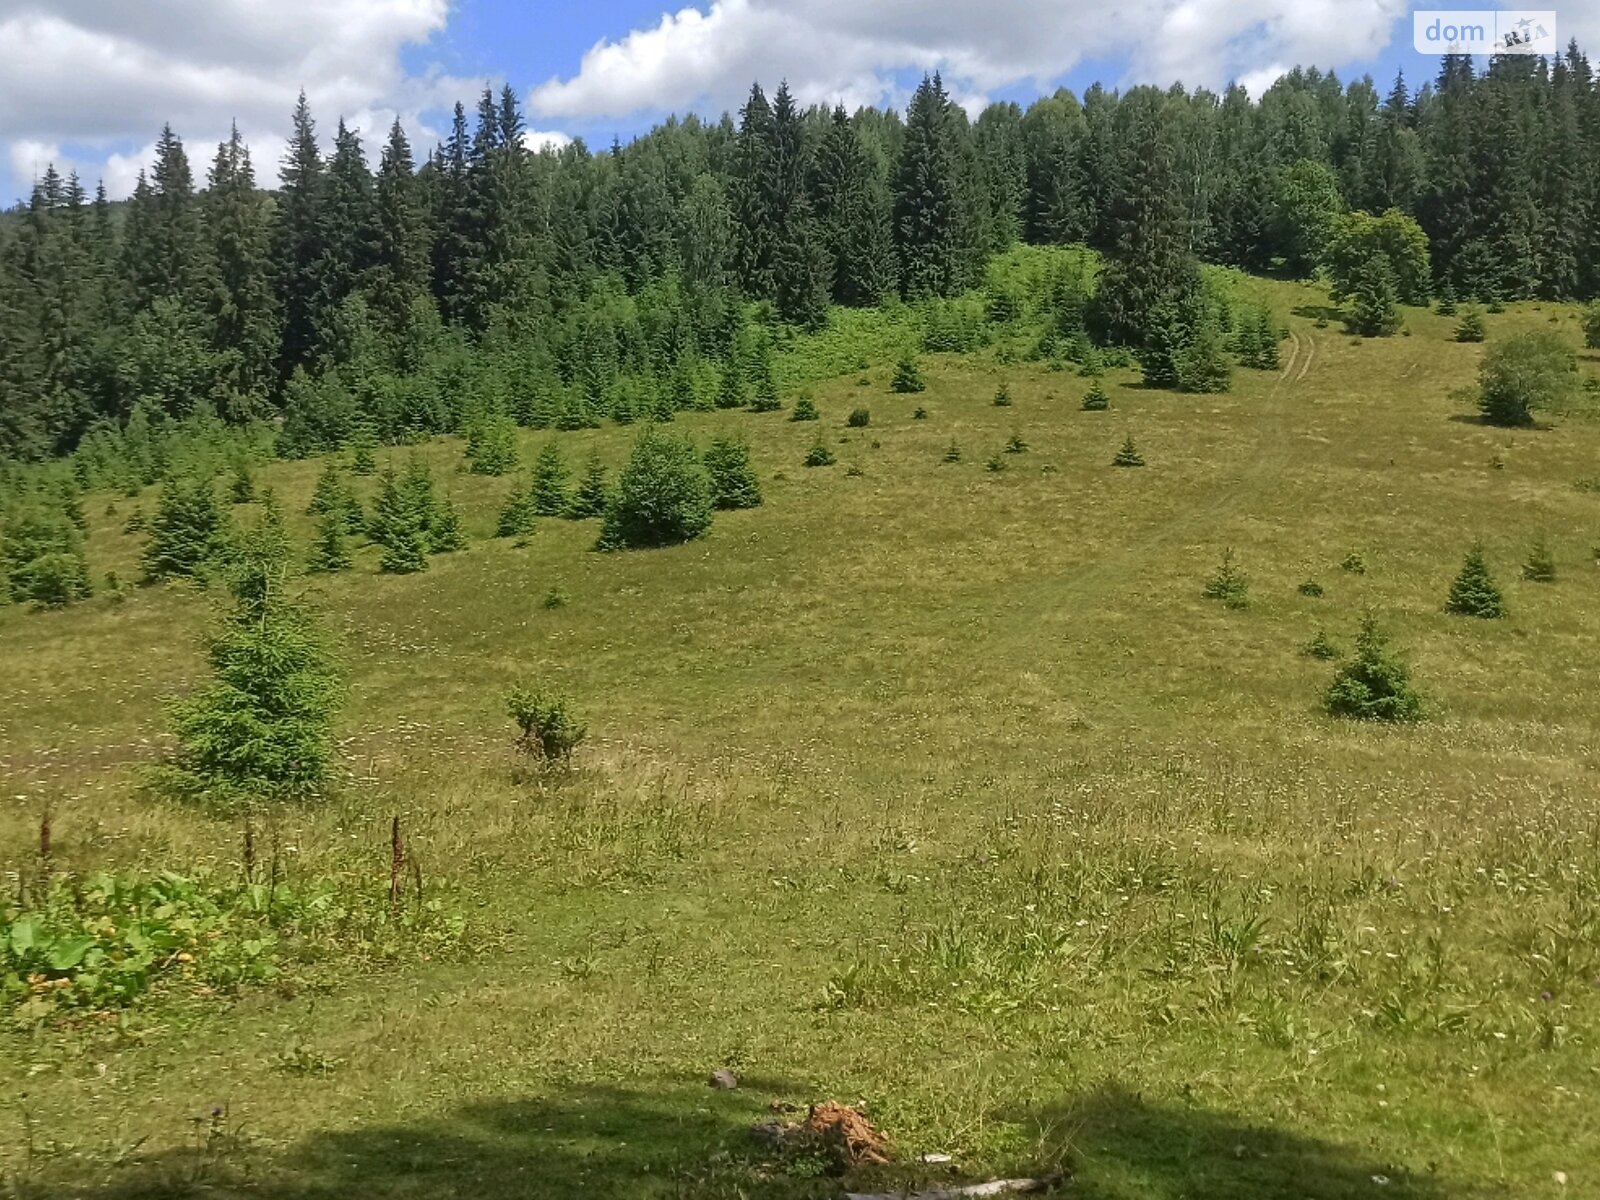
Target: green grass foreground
x=932 y=786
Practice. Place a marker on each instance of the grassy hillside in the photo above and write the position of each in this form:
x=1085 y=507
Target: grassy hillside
x=926 y=785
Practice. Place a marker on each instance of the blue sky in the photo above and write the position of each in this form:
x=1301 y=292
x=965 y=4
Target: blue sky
x=612 y=67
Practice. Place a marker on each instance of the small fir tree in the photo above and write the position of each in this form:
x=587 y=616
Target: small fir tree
x=1373 y=312
x=1540 y=566
x=907 y=376
x=1470 y=328
x=330 y=552
x=952 y=453
x=1002 y=396
x=1447 y=300
x=445 y=534
x=261 y=730
x=731 y=391
x=1203 y=365
x=1474 y=592
x=593 y=496
x=1095 y=399
x=1129 y=455
x=1016 y=444
x=733 y=480
x=805 y=409
x=1229 y=584
x=663 y=496
x=518 y=516
x=1375 y=685
x=551 y=478
x=400 y=525
x=1320 y=647
x=334 y=497
x=765 y=391
x=242 y=487
x=492 y=445
x=188 y=533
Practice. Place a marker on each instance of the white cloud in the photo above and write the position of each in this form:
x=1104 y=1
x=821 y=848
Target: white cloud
x=541 y=139
x=100 y=77
x=849 y=50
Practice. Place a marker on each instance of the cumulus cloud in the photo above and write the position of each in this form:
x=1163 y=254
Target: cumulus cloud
x=100 y=78
x=850 y=51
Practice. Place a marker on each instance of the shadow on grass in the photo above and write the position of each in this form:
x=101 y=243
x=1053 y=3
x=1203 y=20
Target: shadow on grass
x=680 y=1140
x=647 y=1142
x=1312 y=312
x=1124 y=1147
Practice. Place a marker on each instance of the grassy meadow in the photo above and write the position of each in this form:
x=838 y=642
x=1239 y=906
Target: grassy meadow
x=925 y=786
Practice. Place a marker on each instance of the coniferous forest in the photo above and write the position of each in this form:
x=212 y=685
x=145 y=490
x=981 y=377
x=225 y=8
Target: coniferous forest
x=367 y=288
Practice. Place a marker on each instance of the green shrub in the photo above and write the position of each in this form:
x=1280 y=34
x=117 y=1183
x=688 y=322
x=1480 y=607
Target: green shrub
x=921 y=414
x=98 y=942
x=1375 y=685
x=1524 y=373
x=1591 y=326
x=549 y=727
x=1129 y=455
x=1311 y=588
x=805 y=409
x=1016 y=444
x=1474 y=592
x=1320 y=647
x=1095 y=399
x=188 y=533
x=908 y=376
x=42 y=558
x=859 y=418
x=1355 y=563
x=1002 y=397
x=819 y=455
x=952 y=453
x=733 y=479
x=663 y=496
x=1228 y=584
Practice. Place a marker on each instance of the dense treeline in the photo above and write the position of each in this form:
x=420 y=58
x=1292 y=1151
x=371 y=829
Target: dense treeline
x=370 y=297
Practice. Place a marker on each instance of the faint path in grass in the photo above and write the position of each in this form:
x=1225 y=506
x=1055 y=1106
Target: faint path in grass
x=1095 y=579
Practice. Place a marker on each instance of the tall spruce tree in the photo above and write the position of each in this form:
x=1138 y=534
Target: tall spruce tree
x=242 y=301
x=800 y=266
x=298 y=249
x=853 y=216
x=930 y=230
